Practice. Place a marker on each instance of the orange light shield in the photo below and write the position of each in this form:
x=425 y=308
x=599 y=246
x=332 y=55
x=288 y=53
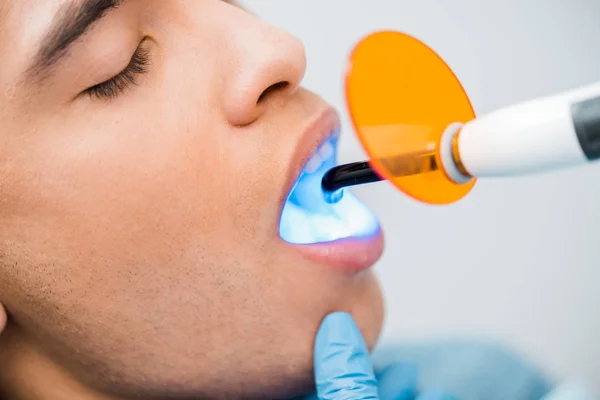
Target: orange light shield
x=401 y=97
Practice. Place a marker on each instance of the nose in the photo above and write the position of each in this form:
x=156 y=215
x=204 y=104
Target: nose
x=269 y=66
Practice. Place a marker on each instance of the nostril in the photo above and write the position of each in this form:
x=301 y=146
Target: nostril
x=272 y=89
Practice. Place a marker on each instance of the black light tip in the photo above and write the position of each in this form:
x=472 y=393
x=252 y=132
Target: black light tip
x=346 y=175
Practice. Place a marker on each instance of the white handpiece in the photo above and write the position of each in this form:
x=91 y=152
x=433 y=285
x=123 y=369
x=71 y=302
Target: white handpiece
x=548 y=133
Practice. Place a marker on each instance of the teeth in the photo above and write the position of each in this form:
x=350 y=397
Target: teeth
x=326 y=151
x=313 y=164
x=347 y=218
x=308 y=218
x=323 y=154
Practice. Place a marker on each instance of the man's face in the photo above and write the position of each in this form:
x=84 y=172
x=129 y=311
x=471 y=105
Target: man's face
x=144 y=166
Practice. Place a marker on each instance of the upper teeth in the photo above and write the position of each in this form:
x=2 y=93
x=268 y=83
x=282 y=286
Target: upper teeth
x=307 y=191
x=313 y=164
x=324 y=153
x=308 y=218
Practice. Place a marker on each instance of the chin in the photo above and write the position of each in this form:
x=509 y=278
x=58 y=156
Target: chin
x=369 y=316
x=290 y=374
x=298 y=381
x=247 y=369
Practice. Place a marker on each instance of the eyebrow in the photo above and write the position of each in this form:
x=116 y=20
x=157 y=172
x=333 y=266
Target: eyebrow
x=71 y=23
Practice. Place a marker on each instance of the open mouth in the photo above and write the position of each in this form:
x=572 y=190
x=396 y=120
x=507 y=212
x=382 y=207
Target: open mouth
x=307 y=218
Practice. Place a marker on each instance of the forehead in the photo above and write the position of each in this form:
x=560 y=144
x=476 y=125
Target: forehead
x=27 y=19
x=22 y=25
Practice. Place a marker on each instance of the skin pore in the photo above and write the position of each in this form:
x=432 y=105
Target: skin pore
x=143 y=168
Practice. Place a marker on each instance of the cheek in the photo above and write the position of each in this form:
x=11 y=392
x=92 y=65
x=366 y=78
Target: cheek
x=166 y=191
x=256 y=182
x=111 y=214
x=109 y=191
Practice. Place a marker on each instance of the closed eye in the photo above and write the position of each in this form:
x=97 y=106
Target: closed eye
x=113 y=87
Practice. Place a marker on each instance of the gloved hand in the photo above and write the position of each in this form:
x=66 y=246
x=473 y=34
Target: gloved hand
x=343 y=368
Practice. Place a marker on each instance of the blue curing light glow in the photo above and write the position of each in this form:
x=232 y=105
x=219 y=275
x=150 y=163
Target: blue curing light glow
x=307 y=217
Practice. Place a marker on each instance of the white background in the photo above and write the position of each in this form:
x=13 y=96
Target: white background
x=518 y=260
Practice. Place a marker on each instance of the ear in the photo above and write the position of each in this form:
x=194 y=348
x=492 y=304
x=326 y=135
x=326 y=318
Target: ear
x=2 y=318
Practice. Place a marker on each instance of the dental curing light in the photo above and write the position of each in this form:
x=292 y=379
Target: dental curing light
x=417 y=125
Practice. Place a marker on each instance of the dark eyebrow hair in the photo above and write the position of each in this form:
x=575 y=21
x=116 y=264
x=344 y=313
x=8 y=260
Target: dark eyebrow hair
x=70 y=24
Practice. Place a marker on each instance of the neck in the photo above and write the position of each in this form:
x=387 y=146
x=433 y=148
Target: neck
x=26 y=373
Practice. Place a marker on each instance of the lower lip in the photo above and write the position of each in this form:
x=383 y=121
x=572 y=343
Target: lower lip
x=351 y=255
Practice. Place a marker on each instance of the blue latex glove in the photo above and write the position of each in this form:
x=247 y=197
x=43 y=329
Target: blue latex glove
x=343 y=367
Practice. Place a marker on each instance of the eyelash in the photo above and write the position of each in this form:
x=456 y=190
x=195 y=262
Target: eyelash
x=119 y=83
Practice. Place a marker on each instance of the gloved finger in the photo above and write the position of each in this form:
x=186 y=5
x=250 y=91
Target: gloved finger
x=435 y=395
x=398 y=382
x=343 y=368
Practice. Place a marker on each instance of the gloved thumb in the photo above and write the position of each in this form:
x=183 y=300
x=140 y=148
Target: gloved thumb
x=343 y=368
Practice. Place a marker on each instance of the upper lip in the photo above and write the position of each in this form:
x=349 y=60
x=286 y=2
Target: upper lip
x=312 y=137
